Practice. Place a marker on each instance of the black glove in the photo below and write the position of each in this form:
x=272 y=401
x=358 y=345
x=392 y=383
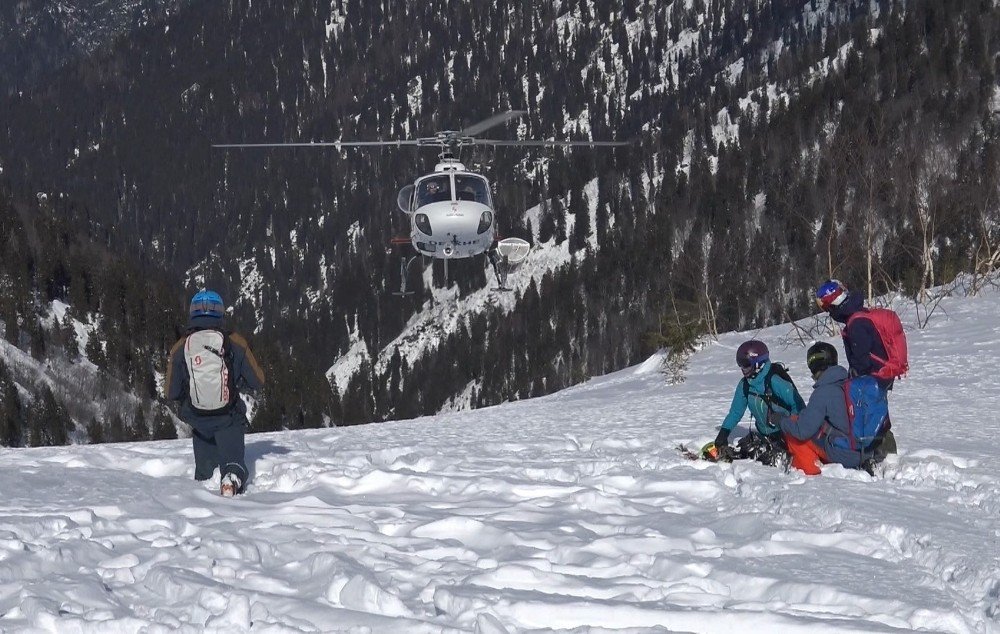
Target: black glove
x=774 y=417
x=722 y=440
x=725 y=454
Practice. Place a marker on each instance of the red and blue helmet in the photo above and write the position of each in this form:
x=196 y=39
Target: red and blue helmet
x=831 y=294
x=207 y=304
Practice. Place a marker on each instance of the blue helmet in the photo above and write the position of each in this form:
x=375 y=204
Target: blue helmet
x=207 y=303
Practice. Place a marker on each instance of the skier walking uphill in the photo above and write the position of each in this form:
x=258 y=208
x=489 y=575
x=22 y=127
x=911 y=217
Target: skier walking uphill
x=765 y=388
x=873 y=341
x=208 y=367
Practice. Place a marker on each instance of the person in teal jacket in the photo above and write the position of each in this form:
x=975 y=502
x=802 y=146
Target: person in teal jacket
x=764 y=388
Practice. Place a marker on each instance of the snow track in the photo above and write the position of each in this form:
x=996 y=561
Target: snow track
x=572 y=511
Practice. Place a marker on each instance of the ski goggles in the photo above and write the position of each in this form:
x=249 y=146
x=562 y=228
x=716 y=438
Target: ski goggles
x=817 y=361
x=751 y=368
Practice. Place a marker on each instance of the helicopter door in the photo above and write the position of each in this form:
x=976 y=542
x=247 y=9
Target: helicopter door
x=404 y=198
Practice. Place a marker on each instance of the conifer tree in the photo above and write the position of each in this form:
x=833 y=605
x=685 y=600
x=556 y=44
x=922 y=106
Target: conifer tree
x=95 y=432
x=36 y=431
x=139 y=429
x=11 y=415
x=54 y=419
x=580 y=211
x=163 y=425
x=116 y=430
x=94 y=350
x=70 y=341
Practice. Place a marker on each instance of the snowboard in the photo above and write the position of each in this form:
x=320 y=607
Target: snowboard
x=690 y=454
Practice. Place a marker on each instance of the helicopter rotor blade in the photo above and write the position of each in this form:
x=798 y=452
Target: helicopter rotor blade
x=318 y=144
x=538 y=143
x=495 y=120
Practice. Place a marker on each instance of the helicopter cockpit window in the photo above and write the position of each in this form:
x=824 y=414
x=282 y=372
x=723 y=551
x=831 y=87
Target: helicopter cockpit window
x=434 y=190
x=472 y=188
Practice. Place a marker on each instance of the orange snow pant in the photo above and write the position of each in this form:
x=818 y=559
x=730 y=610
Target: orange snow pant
x=804 y=454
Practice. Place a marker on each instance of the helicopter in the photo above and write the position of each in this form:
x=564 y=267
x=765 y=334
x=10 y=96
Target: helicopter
x=451 y=210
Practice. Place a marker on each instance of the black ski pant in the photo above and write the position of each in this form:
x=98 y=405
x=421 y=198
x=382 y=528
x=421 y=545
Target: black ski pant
x=218 y=442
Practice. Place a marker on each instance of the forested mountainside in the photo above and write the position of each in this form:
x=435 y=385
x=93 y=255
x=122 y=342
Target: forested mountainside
x=37 y=37
x=85 y=329
x=775 y=143
x=64 y=373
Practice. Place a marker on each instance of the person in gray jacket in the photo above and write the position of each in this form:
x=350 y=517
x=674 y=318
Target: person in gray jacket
x=208 y=368
x=810 y=434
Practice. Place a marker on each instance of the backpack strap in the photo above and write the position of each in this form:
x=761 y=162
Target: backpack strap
x=228 y=357
x=768 y=396
x=850 y=415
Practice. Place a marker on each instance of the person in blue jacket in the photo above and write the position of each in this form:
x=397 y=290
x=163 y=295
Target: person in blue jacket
x=764 y=388
x=217 y=434
x=821 y=431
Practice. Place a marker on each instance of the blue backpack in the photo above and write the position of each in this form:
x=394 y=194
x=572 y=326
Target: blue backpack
x=867 y=411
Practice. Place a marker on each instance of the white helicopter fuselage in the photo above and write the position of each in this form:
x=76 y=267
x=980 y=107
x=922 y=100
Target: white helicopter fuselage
x=451 y=213
x=455 y=229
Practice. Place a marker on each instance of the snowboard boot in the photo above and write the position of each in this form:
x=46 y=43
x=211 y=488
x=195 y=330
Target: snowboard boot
x=775 y=455
x=868 y=466
x=230 y=485
x=884 y=446
x=767 y=450
x=888 y=445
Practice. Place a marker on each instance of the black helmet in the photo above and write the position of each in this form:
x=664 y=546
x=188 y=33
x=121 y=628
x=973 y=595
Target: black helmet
x=820 y=356
x=751 y=357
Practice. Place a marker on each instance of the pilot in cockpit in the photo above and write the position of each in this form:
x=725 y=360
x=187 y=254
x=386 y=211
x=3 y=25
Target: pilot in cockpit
x=435 y=190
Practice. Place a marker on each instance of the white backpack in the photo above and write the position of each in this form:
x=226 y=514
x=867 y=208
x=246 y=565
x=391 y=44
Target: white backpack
x=210 y=386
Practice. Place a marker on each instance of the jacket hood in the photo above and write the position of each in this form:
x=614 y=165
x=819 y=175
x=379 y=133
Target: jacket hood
x=855 y=301
x=833 y=375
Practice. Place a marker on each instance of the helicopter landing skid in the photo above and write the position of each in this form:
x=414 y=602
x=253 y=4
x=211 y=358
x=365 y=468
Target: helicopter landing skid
x=404 y=267
x=501 y=267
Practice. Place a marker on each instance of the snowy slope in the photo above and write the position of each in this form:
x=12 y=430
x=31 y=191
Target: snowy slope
x=571 y=511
